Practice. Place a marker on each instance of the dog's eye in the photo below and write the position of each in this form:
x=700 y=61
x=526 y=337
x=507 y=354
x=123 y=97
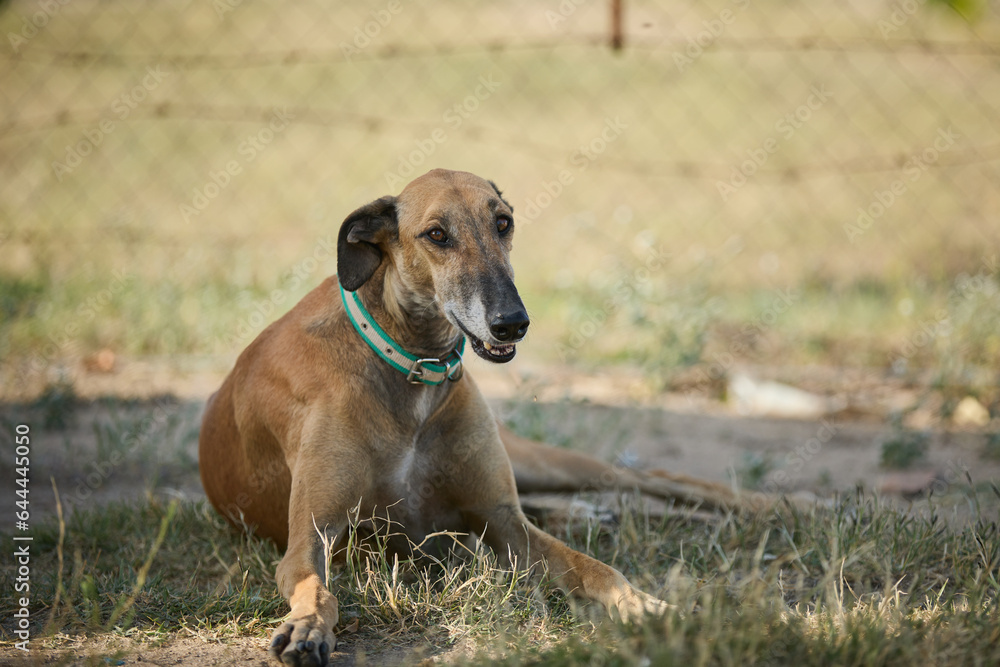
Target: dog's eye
x=504 y=224
x=438 y=236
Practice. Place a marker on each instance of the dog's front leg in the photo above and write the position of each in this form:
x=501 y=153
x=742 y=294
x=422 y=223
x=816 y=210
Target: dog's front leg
x=508 y=531
x=483 y=481
x=320 y=501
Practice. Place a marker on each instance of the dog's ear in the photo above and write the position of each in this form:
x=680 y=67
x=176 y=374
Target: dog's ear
x=358 y=254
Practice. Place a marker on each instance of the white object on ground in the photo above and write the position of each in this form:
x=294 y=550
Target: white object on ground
x=773 y=399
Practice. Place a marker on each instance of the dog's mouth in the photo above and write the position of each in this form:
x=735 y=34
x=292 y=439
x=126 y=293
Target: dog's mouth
x=498 y=354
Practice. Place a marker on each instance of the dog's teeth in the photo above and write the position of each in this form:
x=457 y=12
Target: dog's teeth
x=487 y=345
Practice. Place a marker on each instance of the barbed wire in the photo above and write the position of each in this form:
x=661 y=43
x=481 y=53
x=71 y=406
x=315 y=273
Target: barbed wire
x=685 y=169
x=250 y=60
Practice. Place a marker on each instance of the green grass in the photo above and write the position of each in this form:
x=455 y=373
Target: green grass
x=862 y=583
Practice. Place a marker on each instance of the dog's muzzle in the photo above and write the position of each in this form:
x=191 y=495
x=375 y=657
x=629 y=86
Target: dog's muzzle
x=509 y=329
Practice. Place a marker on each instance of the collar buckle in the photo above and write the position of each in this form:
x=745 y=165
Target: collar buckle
x=416 y=374
x=453 y=370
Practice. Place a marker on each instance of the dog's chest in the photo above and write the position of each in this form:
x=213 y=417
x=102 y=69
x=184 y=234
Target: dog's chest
x=417 y=474
x=418 y=493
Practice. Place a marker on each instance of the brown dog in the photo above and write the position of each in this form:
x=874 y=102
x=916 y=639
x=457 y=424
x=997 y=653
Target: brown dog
x=326 y=412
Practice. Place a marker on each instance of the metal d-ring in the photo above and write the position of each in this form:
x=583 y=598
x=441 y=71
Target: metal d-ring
x=455 y=374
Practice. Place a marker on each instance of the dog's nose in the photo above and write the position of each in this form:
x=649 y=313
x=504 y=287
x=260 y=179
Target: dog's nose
x=511 y=326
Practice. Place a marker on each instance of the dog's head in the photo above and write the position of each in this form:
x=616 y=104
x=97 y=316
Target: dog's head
x=446 y=243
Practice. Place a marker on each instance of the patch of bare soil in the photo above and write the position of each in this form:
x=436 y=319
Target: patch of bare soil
x=102 y=651
x=126 y=448
x=822 y=456
x=121 y=651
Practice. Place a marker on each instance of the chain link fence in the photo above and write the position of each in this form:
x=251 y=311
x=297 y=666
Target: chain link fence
x=707 y=183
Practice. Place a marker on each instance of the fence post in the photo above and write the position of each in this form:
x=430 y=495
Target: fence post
x=617 y=38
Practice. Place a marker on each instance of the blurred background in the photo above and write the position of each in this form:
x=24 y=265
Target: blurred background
x=806 y=190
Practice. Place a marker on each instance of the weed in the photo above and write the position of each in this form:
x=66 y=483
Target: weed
x=576 y=424
x=133 y=430
x=18 y=297
x=57 y=404
x=991 y=449
x=753 y=469
x=904 y=449
x=534 y=421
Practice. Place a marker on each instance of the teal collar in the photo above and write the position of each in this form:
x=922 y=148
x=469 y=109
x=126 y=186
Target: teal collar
x=417 y=370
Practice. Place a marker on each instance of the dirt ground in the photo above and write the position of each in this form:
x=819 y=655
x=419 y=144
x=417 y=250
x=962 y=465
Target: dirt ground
x=192 y=650
x=615 y=415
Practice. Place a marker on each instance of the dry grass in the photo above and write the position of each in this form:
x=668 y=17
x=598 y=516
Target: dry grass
x=863 y=583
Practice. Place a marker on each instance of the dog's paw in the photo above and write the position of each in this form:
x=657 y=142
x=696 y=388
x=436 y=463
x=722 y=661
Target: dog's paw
x=303 y=642
x=634 y=605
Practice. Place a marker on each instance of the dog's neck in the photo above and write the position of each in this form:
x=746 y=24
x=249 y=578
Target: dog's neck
x=417 y=324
